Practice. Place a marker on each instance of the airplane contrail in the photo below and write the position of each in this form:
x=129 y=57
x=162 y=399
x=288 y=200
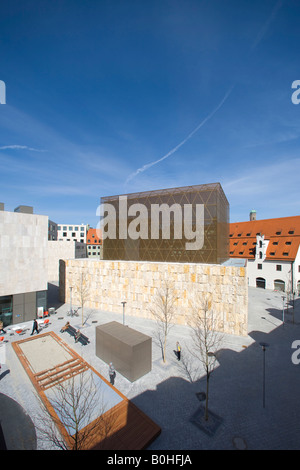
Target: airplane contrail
x=267 y=24
x=20 y=147
x=208 y=117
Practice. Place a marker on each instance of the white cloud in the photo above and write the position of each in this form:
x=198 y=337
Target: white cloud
x=20 y=147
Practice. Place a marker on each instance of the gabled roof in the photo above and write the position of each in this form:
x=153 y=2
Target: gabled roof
x=94 y=237
x=283 y=235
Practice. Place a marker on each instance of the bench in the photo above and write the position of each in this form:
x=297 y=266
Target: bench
x=82 y=338
x=70 y=329
x=77 y=335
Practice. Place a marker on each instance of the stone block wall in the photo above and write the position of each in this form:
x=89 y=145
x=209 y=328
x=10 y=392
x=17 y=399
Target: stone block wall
x=23 y=252
x=111 y=282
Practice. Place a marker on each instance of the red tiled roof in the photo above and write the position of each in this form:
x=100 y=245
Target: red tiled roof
x=94 y=237
x=283 y=235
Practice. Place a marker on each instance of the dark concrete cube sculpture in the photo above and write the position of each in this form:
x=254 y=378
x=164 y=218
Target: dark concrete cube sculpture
x=129 y=350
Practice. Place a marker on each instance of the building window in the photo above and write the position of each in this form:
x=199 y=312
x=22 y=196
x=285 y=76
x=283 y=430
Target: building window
x=272 y=253
x=64 y=234
x=64 y=227
x=278 y=267
x=41 y=299
x=288 y=243
x=76 y=229
x=291 y=232
x=259 y=266
x=278 y=233
x=58 y=227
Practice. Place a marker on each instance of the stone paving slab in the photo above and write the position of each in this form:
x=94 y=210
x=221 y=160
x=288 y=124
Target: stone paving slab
x=168 y=396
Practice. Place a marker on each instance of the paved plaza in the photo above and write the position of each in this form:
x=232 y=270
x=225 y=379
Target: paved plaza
x=168 y=394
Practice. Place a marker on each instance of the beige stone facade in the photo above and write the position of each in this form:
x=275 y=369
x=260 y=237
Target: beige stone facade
x=111 y=282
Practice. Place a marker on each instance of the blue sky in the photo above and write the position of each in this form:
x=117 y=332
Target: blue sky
x=110 y=97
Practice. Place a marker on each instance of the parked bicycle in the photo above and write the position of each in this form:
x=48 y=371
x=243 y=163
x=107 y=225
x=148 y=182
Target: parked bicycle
x=73 y=312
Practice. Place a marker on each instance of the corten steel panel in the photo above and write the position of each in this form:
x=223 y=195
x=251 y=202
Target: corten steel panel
x=216 y=227
x=129 y=350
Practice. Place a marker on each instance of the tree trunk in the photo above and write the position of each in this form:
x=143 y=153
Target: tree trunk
x=206 y=402
x=165 y=344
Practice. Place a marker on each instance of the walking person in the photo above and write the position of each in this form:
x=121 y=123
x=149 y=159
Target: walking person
x=1 y=327
x=34 y=327
x=178 y=349
x=112 y=373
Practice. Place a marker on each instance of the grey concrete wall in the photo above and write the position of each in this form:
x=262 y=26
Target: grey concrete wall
x=23 y=252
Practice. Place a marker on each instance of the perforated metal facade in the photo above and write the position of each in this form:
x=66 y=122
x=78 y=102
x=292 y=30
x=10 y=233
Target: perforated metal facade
x=215 y=226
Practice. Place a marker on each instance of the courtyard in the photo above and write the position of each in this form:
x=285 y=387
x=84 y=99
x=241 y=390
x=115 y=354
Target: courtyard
x=169 y=394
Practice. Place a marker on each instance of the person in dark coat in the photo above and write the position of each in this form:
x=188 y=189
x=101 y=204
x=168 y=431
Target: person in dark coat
x=178 y=350
x=35 y=327
x=112 y=373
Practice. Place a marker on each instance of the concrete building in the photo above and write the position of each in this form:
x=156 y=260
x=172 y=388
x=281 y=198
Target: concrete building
x=24 y=258
x=72 y=232
x=52 y=230
x=272 y=250
x=94 y=243
x=62 y=250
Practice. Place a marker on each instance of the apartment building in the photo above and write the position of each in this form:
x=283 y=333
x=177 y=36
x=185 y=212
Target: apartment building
x=272 y=250
x=52 y=230
x=94 y=243
x=72 y=232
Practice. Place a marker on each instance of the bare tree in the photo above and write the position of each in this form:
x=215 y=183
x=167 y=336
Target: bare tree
x=163 y=310
x=76 y=416
x=187 y=366
x=82 y=290
x=206 y=340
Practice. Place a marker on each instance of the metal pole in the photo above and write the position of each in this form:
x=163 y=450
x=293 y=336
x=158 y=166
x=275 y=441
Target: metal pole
x=264 y=346
x=123 y=312
x=71 y=301
x=264 y=377
x=283 y=309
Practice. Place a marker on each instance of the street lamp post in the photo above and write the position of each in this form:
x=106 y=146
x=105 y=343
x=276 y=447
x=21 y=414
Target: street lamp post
x=71 y=301
x=264 y=346
x=283 y=308
x=123 y=303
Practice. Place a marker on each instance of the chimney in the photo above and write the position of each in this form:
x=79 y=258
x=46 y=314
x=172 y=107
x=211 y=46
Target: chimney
x=1 y=206
x=253 y=214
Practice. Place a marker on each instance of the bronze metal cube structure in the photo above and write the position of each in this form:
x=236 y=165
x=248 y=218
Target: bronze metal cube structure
x=129 y=350
x=173 y=249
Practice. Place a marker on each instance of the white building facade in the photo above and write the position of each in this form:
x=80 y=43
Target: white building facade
x=72 y=232
x=272 y=250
